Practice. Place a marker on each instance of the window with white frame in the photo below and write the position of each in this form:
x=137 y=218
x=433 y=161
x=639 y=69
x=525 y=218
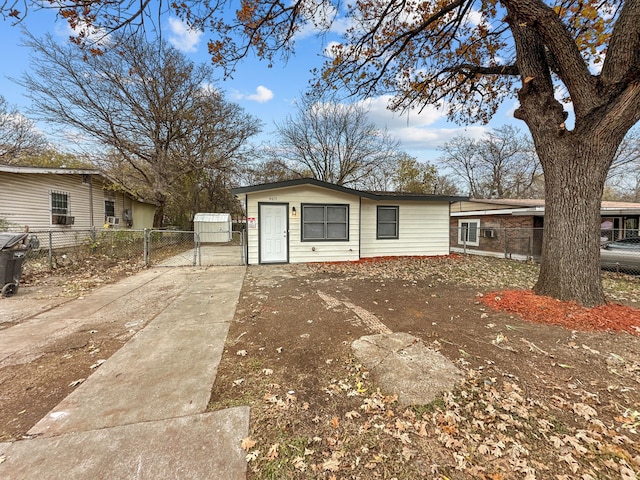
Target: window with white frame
x=469 y=232
x=60 y=210
x=387 y=223
x=325 y=222
x=109 y=208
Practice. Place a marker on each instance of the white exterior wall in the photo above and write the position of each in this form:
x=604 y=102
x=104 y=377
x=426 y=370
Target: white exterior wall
x=423 y=229
x=300 y=252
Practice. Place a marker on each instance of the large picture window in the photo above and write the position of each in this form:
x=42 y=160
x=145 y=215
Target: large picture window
x=387 y=225
x=468 y=232
x=325 y=222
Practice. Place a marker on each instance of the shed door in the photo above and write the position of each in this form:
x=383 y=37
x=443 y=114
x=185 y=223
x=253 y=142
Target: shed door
x=273 y=233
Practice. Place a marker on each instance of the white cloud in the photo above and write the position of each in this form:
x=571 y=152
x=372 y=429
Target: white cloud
x=328 y=50
x=93 y=34
x=183 y=38
x=420 y=133
x=474 y=18
x=261 y=95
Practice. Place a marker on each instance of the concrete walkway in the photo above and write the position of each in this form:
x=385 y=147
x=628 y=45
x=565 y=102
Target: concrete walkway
x=141 y=414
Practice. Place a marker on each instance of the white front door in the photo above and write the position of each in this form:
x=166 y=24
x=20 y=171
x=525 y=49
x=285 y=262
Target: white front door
x=273 y=233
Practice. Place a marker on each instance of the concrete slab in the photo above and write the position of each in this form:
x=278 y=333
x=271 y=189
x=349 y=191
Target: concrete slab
x=141 y=296
x=402 y=364
x=197 y=447
x=166 y=370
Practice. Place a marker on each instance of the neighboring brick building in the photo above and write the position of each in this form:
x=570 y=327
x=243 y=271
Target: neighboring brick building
x=512 y=228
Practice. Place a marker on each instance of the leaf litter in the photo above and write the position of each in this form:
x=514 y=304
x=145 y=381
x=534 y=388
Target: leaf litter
x=530 y=405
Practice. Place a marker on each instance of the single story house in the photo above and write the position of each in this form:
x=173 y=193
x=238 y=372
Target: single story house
x=513 y=228
x=67 y=199
x=307 y=220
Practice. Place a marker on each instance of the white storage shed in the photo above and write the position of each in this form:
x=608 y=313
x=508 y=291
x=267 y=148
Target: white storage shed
x=213 y=227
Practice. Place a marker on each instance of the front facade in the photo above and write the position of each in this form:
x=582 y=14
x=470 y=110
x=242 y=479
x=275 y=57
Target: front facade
x=67 y=199
x=512 y=228
x=308 y=220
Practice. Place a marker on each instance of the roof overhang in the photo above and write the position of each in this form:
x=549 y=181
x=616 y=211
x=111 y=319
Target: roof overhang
x=50 y=171
x=377 y=196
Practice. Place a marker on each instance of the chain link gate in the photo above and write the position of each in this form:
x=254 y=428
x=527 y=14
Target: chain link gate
x=174 y=248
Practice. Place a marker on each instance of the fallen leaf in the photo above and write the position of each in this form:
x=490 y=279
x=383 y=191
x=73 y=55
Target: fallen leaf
x=273 y=451
x=247 y=443
x=335 y=421
x=331 y=465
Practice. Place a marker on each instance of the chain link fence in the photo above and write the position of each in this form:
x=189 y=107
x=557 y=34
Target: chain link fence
x=619 y=250
x=50 y=249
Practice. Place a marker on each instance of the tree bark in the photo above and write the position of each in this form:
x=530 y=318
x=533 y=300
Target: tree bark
x=575 y=172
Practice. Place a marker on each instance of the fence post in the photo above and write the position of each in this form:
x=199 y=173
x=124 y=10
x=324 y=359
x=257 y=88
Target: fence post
x=506 y=255
x=145 y=248
x=464 y=239
x=50 y=250
x=196 y=252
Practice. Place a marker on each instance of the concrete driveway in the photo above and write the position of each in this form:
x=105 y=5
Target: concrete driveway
x=141 y=414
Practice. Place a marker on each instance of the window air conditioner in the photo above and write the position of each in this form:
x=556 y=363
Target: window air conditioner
x=113 y=220
x=488 y=233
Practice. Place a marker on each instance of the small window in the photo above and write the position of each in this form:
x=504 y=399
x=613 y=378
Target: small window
x=109 y=208
x=325 y=222
x=59 y=203
x=387 y=223
x=468 y=231
x=60 y=213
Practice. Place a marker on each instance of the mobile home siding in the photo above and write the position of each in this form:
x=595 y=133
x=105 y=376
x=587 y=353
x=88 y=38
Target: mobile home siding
x=423 y=229
x=26 y=199
x=300 y=252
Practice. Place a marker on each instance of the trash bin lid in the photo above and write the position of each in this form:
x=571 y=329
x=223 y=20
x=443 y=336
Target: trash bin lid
x=8 y=239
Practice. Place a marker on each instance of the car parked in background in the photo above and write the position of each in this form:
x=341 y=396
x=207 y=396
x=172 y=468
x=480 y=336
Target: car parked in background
x=621 y=255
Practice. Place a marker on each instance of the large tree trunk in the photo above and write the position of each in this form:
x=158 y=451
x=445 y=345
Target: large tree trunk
x=575 y=173
x=158 y=216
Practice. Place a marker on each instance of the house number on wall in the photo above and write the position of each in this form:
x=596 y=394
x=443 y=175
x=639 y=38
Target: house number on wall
x=273 y=199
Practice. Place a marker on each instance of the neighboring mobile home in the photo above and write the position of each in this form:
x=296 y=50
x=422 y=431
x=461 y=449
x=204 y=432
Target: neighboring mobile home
x=513 y=227
x=306 y=220
x=67 y=199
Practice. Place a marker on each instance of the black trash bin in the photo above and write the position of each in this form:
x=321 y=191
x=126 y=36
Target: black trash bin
x=12 y=253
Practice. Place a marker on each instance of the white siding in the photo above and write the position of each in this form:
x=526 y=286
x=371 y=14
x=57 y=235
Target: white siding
x=299 y=252
x=423 y=229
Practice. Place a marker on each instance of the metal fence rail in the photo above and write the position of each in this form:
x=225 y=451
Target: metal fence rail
x=49 y=249
x=619 y=251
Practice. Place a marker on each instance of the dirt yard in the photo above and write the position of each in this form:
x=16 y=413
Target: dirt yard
x=538 y=401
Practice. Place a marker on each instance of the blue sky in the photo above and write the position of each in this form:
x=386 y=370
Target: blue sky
x=267 y=93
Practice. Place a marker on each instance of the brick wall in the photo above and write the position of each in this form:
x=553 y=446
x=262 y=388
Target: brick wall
x=514 y=234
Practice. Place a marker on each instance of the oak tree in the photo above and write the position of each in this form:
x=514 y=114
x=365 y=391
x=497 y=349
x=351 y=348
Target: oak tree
x=155 y=116
x=334 y=142
x=501 y=164
x=468 y=56
x=18 y=135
